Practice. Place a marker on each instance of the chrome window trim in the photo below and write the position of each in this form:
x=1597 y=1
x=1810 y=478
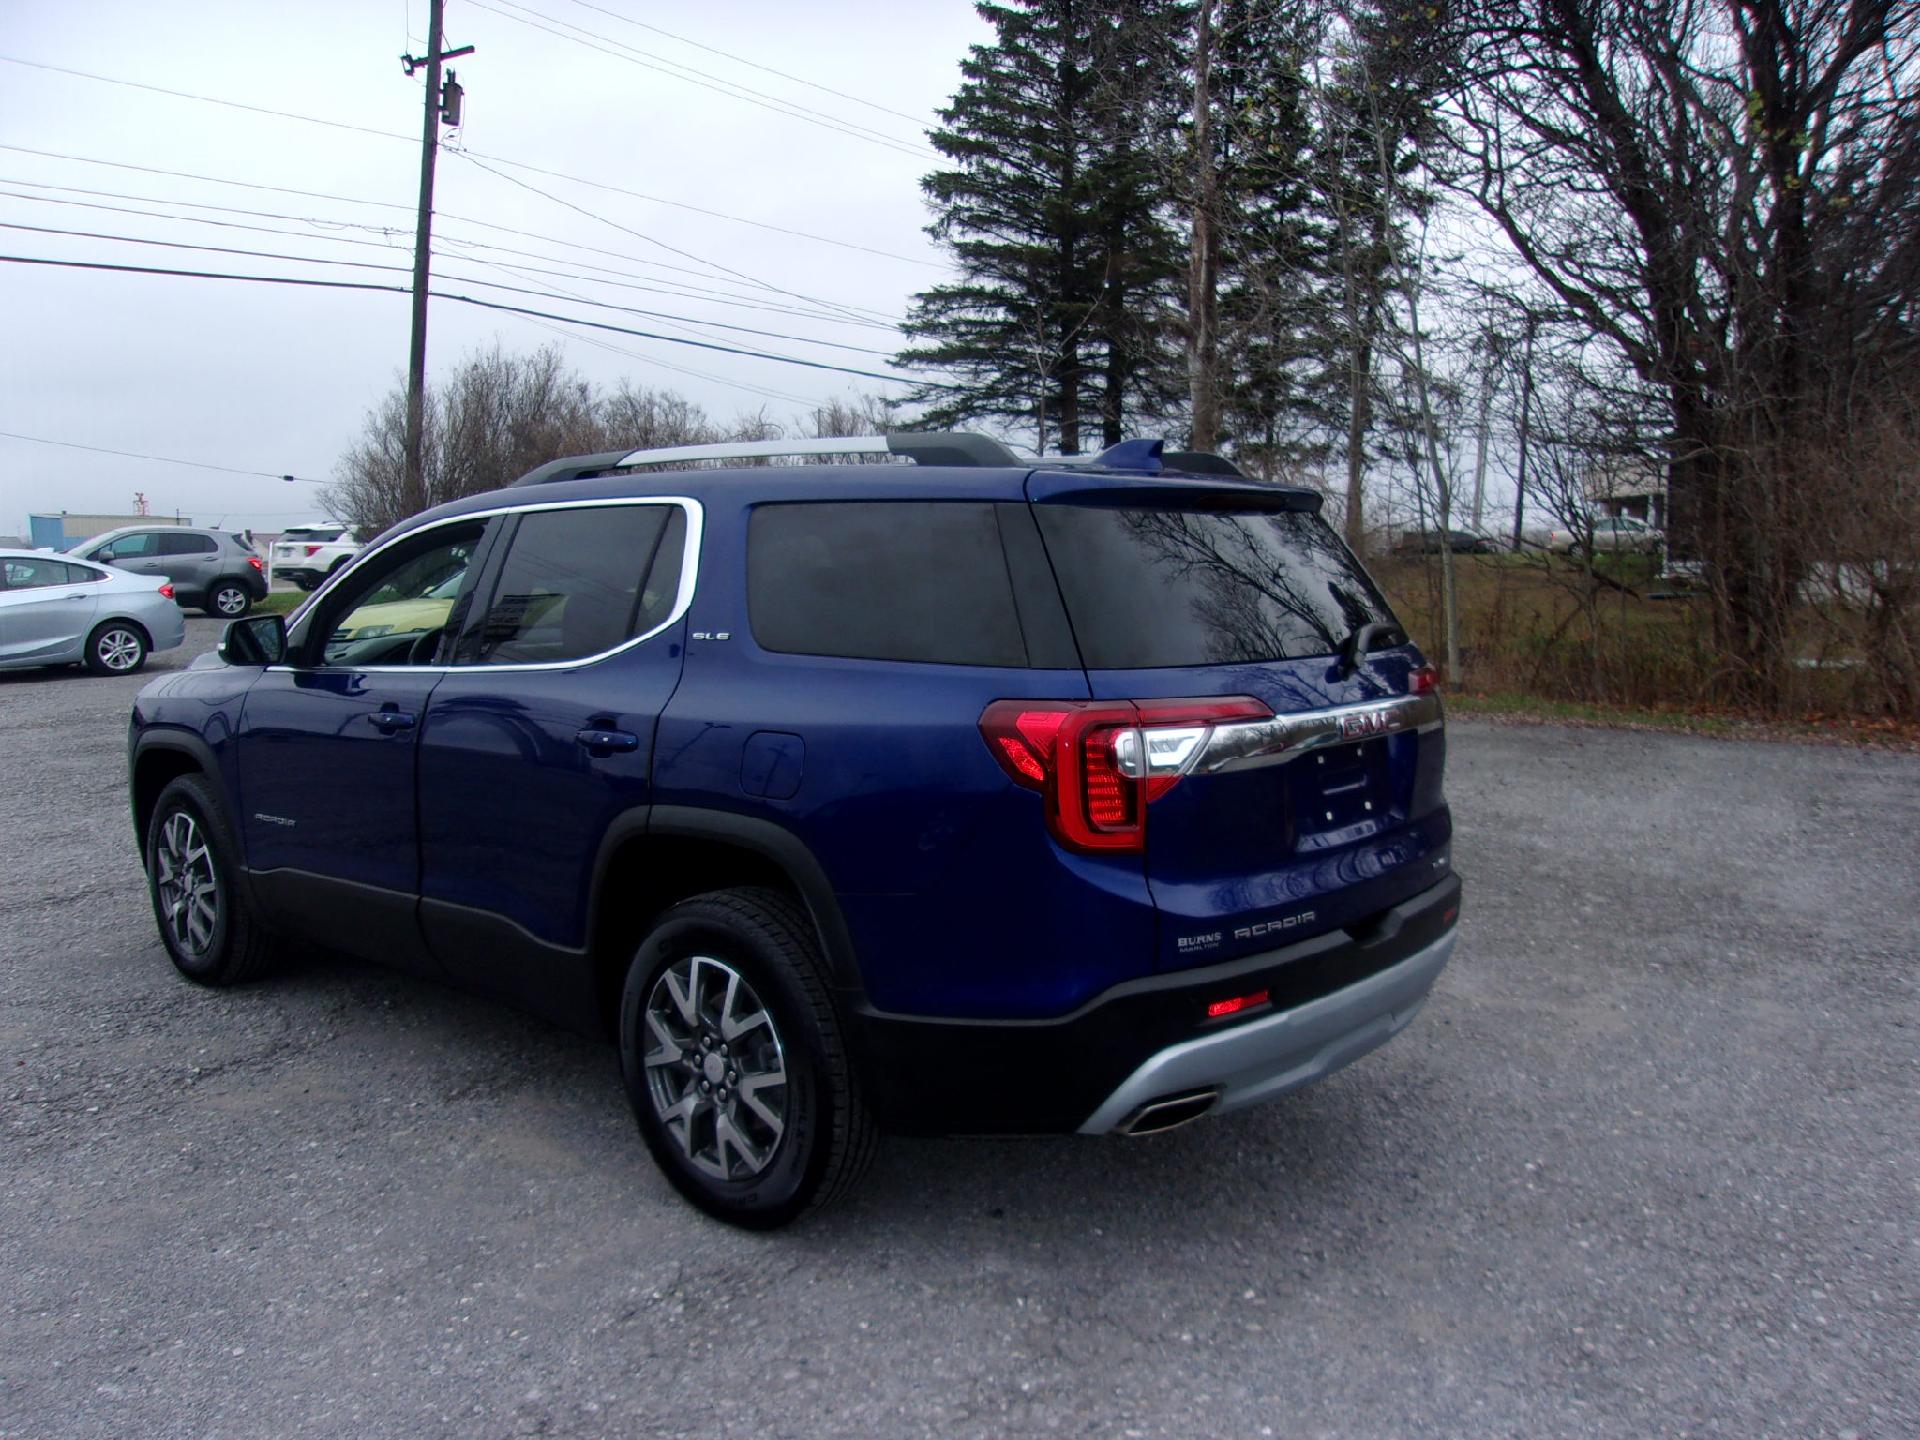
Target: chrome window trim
x=682 y=600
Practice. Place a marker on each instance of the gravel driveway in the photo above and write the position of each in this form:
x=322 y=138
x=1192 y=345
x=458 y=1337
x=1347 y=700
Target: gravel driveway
x=1649 y=1164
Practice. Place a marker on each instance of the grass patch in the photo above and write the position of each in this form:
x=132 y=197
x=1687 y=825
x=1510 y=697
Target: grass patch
x=279 y=602
x=1720 y=724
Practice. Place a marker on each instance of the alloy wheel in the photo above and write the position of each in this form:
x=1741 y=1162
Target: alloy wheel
x=716 y=1070
x=119 y=650
x=230 y=600
x=188 y=888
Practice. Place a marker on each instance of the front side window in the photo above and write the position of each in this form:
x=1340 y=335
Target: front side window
x=579 y=582
x=137 y=546
x=394 y=610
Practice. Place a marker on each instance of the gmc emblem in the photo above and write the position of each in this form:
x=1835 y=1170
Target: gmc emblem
x=1358 y=727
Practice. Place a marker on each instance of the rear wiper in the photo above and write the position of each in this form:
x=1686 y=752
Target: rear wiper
x=1358 y=644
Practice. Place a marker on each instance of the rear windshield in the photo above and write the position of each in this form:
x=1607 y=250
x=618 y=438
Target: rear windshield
x=1153 y=588
x=316 y=532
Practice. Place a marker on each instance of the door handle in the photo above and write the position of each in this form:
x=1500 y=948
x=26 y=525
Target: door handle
x=607 y=741
x=388 y=722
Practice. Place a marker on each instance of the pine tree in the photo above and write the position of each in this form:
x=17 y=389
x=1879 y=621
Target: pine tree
x=1058 y=318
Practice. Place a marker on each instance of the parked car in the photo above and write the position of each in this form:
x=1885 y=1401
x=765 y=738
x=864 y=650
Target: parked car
x=213 y=569
x=1431 y=542
x=1611 y=533
x=55 y=610
x=977 y=795
x=308 y=554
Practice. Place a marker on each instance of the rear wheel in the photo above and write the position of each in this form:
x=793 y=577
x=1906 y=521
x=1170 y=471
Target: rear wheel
x=116 y=647
x=228 y=600
x=206 y=921
x=735 y=1063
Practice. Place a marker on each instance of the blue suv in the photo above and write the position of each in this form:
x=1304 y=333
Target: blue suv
x=923 y=788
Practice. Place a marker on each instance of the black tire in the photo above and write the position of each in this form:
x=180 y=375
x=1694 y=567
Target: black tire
x=227 y=600
x=828 y=1136
x=116 y=647
x=305 y=584
x=230 y=947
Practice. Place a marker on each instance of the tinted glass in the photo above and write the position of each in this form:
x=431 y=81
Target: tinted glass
x=572 y=584
x=32 y=574
x=185 y=543
x=883 y=580
x=129 y=547
x=1150 y=588
x=314 y=533
x=393 y=611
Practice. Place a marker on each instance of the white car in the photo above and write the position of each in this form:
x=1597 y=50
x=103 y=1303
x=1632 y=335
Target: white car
x=1610 y=533
x=56 y=610
x=308 y=554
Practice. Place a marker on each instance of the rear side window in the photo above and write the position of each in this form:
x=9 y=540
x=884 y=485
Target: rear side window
x=883 y=580
x=178 y=543
x=580 y=582
x=1152 y=588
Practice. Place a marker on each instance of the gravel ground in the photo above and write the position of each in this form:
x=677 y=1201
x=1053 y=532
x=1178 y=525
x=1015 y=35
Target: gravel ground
x=1649 y=1164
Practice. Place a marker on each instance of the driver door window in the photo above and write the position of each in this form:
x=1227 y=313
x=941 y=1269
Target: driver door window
x=397 y=608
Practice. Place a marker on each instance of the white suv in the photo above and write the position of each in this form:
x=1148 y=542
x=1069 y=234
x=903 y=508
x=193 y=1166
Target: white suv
x=308 y=554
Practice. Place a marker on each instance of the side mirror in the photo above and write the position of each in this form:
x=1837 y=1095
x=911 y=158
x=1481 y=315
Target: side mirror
x=258 y=640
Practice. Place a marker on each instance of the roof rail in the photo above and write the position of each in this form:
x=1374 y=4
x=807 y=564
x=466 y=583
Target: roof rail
x=928 y=447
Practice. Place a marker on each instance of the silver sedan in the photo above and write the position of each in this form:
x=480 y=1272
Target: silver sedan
x=56 y=610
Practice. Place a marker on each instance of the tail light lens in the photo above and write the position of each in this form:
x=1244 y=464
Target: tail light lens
x=254 y=560
x=166 y=592
x=1423 y=680
x=1098 y=764
x=313 y=549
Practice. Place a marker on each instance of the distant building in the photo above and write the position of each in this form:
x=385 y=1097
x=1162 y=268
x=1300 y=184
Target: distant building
x=64 y=531
x=1630 y=487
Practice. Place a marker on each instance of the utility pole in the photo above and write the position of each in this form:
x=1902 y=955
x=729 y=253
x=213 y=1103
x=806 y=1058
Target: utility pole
x=1526 y=425
x=442 y=106
x=1202 y=279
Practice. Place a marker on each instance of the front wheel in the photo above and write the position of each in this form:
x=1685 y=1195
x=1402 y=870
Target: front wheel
x=206 y=921
x=735 y=1063
x=228 y=600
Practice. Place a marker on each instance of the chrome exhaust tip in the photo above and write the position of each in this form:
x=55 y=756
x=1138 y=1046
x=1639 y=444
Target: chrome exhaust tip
x=1168 y=1112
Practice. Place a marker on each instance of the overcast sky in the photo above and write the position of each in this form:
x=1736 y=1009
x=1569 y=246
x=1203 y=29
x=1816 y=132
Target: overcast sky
x=277 y=379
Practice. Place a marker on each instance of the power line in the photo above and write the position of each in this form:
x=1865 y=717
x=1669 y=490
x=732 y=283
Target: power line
x=311 y=283
x=163 y=459
x=204 y=99
x=679 y=290
x=471 y=280
x=684 y=290
x=792 y=109
x=919 y=120
x=671 y=249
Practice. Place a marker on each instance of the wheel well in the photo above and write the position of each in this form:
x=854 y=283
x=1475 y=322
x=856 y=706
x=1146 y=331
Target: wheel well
x=645 y=876
x=153 y=772
x=130 y=623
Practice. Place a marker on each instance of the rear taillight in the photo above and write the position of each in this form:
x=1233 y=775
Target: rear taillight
x=1423 y=680
x=166 y=592
x=313 y=549
x=254 y=560
x=1100 y=763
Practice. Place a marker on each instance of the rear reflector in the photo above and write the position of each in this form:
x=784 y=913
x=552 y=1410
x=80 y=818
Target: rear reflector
x=1100 y=763
x=1219 y=1009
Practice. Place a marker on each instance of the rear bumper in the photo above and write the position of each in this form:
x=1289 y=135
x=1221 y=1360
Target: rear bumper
x=1266 y=1057
x=1333 y=998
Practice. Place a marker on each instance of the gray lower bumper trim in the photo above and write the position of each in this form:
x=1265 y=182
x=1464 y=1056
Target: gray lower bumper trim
x=1265 y=1057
